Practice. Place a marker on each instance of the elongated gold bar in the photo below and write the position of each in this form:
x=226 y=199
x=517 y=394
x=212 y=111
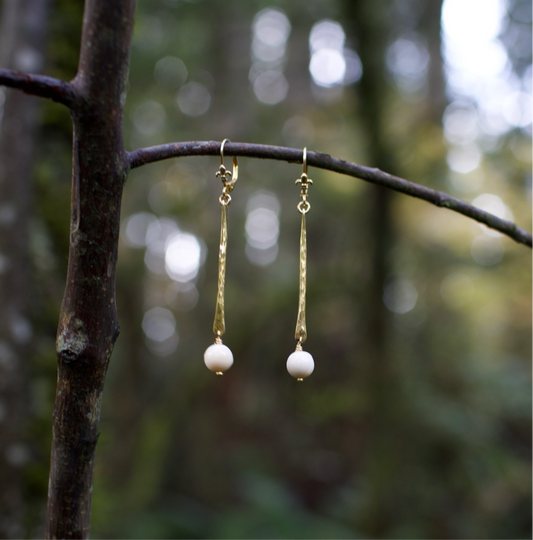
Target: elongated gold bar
x=219 y=324
x=301 y=329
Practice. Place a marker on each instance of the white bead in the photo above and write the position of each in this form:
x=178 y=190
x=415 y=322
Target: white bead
x=218 y=358
x=300 y=364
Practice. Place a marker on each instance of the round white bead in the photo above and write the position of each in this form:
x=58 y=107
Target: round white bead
x=218 y=358
x=300 y=364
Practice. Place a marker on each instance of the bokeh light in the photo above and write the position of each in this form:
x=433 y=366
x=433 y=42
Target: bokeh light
x=464 y=159
x=170 y=72
x=193 y=99
x=326 y=43
x=461 y=125
x=327 y=34
x=271 y=87
x=262 y=228
x=327 y=67
x=400 y=296
x=183 y=256
x=149 y=117
x=157 y=235
x=271 y=29
x=408 y=59
x=353 y=68
x=159 y=326
x=478 y=67
x=136 y=228
x=494 y=205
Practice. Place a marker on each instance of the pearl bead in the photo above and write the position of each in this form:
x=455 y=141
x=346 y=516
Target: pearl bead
x=218 y=358
x=300 y=364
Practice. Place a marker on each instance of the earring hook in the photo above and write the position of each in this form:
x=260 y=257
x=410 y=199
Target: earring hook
x=305 y=182
x=223 y=172
x=222 y=150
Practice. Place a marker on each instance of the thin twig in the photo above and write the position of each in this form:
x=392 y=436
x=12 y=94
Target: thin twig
x=143 y=156
x=39 y=85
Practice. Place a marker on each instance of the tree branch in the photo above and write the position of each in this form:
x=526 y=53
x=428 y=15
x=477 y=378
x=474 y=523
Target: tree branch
x=143 y=156
x=39 y=85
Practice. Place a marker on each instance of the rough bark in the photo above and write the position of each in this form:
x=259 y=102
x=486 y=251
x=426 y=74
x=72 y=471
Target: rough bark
x=88 y=325
x=21 y=41
x=38 y=85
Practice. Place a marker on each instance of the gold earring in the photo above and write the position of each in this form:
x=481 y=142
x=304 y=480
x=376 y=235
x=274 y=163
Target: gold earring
x=300 y=363
x=218 y=357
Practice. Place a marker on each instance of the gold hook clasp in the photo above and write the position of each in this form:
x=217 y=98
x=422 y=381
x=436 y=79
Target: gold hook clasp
x=304 y=206
x=223 y=174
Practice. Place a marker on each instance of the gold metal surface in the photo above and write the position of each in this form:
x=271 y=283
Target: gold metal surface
x=303 y=208
x=301 y=329
x=219 y=325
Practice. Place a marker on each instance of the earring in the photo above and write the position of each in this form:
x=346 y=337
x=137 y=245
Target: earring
x=218 y=357
x=300 y=363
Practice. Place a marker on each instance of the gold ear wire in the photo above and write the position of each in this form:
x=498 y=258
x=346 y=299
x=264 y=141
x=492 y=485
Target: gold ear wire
x=223 y=173
x=305 y=182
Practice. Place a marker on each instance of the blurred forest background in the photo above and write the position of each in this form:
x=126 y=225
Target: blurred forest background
x=417 y=420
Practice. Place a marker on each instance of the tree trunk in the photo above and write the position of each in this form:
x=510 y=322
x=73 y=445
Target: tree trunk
x=372 y=30
x=430 y=27
x=88 y=325
x=22 y=36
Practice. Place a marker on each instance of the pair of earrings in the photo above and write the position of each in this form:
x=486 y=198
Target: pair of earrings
x=218 y=357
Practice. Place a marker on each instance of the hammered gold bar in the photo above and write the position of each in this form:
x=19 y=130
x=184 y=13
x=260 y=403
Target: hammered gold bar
x=301 y=329
x=219 y=325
